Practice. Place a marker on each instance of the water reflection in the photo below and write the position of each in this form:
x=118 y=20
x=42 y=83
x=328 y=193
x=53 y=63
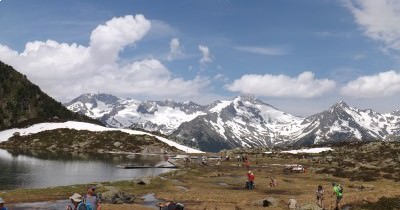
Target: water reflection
x=31 y=169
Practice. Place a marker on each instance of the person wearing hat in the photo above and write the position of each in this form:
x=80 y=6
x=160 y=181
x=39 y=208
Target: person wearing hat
x=92 y=199
x=2 y=204
x=77 y=202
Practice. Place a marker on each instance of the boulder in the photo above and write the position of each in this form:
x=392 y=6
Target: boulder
x=267 y=202
x=117 y=144
x=310 y=207
x=116 y=197
x=143 y=181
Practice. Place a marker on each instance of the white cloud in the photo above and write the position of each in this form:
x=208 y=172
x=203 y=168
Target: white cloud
x=379 y=20
x=268 y=51
x=66 y=70
x=175 y=49
x=305 y=85
x=378 y=85
x=206 y=55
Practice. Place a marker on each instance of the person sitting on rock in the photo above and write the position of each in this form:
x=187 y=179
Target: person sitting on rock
x=2 y=207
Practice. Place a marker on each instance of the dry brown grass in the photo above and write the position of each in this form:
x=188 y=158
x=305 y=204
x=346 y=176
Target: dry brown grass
x=223 y=187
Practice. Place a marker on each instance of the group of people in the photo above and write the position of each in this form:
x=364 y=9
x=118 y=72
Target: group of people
x=337 y=192
x=90 y=201
x=292 y=204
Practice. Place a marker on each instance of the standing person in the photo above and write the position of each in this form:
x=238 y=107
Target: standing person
x=251 y=180
x=320 y=195
x=338 y=192
x=2 y=207
x=92 y=199
x=273 y=182
x=76 y=200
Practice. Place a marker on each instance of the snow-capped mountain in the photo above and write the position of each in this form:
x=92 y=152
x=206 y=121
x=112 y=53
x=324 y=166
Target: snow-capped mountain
x=241 y=122
x=344 y=123
x=160 y=116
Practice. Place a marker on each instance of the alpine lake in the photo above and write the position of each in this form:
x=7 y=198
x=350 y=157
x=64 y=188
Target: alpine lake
x=31 y=169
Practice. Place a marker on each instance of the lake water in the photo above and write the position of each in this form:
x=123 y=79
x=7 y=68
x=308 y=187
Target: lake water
x=29 y=169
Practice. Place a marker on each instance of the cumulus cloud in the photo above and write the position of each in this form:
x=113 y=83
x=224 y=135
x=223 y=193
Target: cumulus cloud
x=175 y=49
x=66 y=70
x=378 y=85
x=206 y=55
x=379 y=20
x=305 y=85
x=268 y=51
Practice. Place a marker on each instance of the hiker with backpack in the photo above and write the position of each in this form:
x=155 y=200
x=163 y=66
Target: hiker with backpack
x=320 y=195
x=338 y=192
x=91 y=199
x=77 y=202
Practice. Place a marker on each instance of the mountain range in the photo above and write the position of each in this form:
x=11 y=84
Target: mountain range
x=241 y=122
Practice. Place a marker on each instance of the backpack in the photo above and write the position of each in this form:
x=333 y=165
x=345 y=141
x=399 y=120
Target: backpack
x=87 y=206
x=174 y=206
x=340 y=189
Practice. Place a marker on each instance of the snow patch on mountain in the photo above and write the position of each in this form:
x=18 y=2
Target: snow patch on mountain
x=160 y=116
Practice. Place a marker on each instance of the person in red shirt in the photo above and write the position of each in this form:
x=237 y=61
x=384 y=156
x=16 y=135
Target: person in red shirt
x=250 y=176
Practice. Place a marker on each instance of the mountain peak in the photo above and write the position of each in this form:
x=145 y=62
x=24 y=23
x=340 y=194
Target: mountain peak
x=249 y=98
x=341 y=104
x=90 y=97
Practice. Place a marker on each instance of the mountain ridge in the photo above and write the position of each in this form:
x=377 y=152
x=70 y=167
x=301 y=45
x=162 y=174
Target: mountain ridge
x=245 y=121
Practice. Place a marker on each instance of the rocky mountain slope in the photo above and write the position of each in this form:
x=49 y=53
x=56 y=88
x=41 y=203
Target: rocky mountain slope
x=344 y=123
x=23 y=103
x=241 y=122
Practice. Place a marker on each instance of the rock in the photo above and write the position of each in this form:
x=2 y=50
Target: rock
x=143 y=181
x=310 y=207
x=367 y=187
x=332 y=170
x=116 y=197
x=267 y=202
x=117 y=144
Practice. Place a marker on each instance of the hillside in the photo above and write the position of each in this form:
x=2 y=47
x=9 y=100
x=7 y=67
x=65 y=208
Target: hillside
x=70 y=140
x=94 y=133
x=23 y=103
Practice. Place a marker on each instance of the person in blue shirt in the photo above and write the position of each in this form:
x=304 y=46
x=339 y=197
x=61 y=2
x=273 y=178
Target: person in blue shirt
x=2 y=204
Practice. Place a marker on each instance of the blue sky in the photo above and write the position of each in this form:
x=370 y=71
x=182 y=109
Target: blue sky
x=300 y=56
